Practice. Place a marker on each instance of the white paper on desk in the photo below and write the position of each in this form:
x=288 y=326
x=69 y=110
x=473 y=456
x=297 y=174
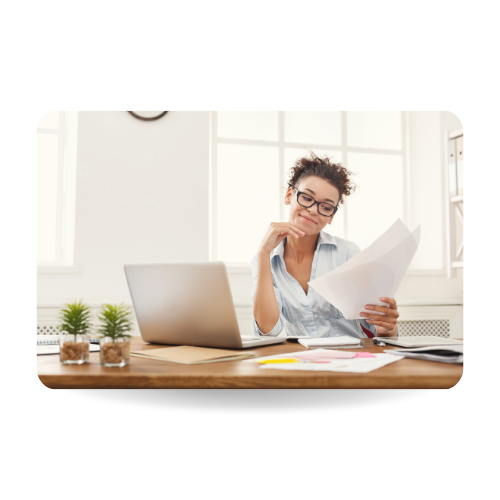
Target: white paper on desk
x=277 y=356
x=54 y=349
x=315 y=352
x=375 y=272
x=354 y=365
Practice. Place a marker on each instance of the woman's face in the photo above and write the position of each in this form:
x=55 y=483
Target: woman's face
x=310 y=220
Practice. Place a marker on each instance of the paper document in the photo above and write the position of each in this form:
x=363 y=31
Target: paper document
x=354 y=365
x=442 y=354
x=326 y=360
x=190 y=355
x=343 y=342
x=325 y=354
x=375 y=272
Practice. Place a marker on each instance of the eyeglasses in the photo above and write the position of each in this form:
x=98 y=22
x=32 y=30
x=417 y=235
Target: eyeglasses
x=307 y=201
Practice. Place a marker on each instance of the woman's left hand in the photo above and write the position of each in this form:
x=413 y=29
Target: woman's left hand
x=386 y=321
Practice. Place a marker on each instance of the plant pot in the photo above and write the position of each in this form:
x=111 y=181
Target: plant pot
x=74 y=349
x=115 y=352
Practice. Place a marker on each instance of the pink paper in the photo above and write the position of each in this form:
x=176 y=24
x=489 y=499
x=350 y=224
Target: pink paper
x=321 y=356
x=365 y=355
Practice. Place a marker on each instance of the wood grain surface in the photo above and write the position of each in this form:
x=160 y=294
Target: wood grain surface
x=144 y=373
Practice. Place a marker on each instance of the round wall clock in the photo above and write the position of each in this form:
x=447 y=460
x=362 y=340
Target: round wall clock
x=148 y=116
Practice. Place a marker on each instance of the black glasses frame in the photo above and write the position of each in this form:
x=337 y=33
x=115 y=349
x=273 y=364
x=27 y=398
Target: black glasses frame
x=315 y=203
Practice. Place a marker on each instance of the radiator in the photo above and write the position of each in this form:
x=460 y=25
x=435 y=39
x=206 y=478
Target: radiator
x=47 y=330
x=439 y=321
x=438 y=328
x=435 y=327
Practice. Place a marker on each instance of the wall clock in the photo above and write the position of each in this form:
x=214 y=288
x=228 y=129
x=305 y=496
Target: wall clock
x=148 y=116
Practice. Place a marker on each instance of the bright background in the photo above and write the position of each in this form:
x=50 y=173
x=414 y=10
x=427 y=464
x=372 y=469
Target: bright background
x=200 y=185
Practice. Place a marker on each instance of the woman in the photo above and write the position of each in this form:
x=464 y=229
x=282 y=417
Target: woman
x=295 y=252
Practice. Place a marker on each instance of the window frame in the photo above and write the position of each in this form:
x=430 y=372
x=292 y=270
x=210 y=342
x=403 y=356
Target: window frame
x=245 y=268
x=67 y=133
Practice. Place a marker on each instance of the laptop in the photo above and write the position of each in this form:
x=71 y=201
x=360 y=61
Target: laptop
x=187 y=304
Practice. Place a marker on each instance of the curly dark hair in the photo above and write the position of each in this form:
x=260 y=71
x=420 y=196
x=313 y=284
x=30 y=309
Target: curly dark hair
x=334 y=173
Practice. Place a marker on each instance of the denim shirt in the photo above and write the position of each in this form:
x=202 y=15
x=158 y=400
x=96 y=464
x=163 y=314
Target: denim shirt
x=310 y=314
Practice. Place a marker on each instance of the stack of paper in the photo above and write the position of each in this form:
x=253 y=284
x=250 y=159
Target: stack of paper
x=190 y=355
x=356 y=365
x=443 y=354
x=326 y=360
x=375 y=272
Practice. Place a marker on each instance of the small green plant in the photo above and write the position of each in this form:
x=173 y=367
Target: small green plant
x=75 y=319
x=116 y=321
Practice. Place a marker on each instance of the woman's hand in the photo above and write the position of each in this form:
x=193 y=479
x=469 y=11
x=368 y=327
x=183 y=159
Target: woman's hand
x=386 y=321
x=276 y=233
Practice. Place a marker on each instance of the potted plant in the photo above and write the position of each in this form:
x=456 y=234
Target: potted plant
x=115 y=322
x=74 y=325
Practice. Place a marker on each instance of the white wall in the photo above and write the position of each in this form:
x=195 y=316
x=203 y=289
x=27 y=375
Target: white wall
x=127 y=167
x=142 y=196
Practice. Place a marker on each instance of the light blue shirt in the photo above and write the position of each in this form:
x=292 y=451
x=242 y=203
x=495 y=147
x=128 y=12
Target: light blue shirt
x=310 y=314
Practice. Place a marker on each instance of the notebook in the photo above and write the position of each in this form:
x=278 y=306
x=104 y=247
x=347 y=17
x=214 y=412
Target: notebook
x=190 y=355
x=419 y=341
x=442 y=354
x=49 y=344
x=343 y=342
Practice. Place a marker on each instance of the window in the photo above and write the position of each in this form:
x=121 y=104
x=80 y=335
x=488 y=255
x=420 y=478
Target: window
x=56 y=175
x=252 y=153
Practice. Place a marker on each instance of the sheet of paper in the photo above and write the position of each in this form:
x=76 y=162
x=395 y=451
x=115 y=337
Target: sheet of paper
x=344 y=341
x=375 y=272
x=325 y=354
x=191 y=354
x=279 y=356
x=308 y=355
x=355 y=365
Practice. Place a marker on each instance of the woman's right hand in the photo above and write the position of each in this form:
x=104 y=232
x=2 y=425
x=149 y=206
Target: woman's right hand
x=276 y=233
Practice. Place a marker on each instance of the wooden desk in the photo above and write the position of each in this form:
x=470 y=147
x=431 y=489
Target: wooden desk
x=143 y=373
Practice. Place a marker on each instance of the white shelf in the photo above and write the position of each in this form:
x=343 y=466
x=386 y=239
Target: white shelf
x=456 y=133
x=454 y=213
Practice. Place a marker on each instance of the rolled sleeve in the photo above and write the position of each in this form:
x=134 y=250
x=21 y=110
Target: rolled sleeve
x=278 y=327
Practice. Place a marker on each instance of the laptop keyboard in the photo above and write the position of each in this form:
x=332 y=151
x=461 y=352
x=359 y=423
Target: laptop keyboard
x=245 y=340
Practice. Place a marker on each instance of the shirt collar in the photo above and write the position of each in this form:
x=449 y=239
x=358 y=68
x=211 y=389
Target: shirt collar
x=327 y=239
x=324 y=239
